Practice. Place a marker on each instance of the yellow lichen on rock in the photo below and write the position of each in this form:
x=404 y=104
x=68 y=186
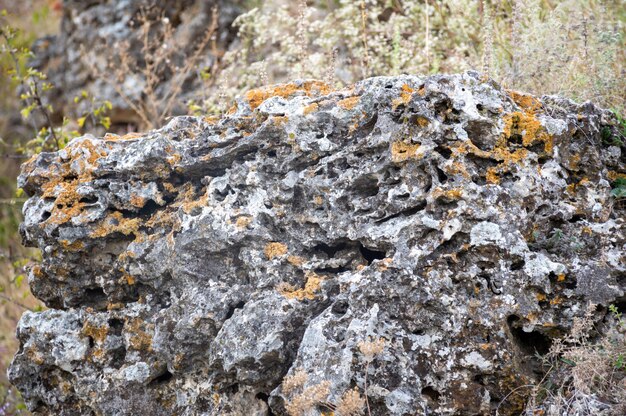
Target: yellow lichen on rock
x=310 y=88
x=401 y=151
x=115 y=223
x=275 y=249
x=311 y=287
x=405 y=96
x=349 y=103
x=97 y=333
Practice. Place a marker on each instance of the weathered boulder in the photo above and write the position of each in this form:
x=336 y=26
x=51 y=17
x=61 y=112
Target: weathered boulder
x=416 y=238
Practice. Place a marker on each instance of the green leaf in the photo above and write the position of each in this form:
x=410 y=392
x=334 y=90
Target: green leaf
x=81 y=122
x=18 y=280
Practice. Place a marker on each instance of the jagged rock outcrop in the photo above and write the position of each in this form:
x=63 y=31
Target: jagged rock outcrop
x=458 y=226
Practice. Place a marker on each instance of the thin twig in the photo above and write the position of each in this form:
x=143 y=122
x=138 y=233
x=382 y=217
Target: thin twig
x=13 y=301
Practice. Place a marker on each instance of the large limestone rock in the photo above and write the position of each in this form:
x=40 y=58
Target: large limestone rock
x=456 y=226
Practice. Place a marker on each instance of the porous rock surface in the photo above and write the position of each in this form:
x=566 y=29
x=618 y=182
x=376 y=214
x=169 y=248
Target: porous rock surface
x=189 y=270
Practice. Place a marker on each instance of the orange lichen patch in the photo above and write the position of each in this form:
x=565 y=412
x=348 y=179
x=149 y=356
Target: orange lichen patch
x=174 y=158
x=447 y=194
x=349 y=103
x=421 y=91
x=232 y=110
x=574 y=161
x=243 y=221
x=138 y=334
x=529 y=127
x=114 y=306
x=526 y=101
x=67 y=203
x=311 y=287
x=72 y=245
x=540 y=297
x=401 y=151
x=189 y=200
x=492 y=176
x=212 y=120
x=129 y=136
x=275 y=250
x=560 y=278
x=116 y=223
x=310 y=109
x=613 y=175
x=280 y=120
x=587 y=230
x=310 y=88
x=137 y=201
x=385 y=263
x=130 y=280
x=405 y=97
x=457 y=168
x=97 y=333
x=422 y=121
x=34 y=355
x=556 y=301
x=295 y=261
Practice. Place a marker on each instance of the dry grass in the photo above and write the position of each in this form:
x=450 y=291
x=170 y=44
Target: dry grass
x=585 y=375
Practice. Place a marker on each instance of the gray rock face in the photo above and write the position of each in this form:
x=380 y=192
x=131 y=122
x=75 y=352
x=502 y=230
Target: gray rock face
x=244 y=265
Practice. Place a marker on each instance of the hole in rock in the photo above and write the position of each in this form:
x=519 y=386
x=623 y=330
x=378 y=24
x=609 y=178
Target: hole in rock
x=116 y=326
x=232 y=309
x=162 y=378
x=340 y=307
x=576 y=218
x=366 y=186
x=444 y=151
x=94 y=296
x=370 y=255
x=45 y=215
x=330 y=251
x=517 y=265
x=431 y=394
x=88 y=199
x=405 y=213
x=148 y=209
x=530 y=343
x=118 y=356
x=443 y=178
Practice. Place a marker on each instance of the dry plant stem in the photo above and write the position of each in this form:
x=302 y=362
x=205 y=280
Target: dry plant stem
x=367 y=401
x=13 y=301
x=191 y=63
x=365 y=60
x=427 y=38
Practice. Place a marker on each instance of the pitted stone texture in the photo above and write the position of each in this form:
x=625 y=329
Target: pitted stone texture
x=191 y=268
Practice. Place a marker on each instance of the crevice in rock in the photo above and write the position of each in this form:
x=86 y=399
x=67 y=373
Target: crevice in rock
x=264 y=397
x=530 y=343
x=162 y=378
x=431 y=395
x=370 y=254
x=233 y=308
x=405 y=213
